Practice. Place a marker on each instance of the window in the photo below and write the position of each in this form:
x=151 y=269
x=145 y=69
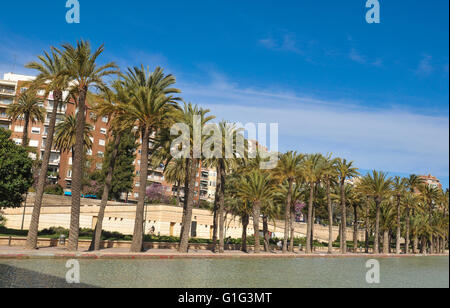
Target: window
x=137 y=184
x=136 y=195
x=18 y=129
x=92 y=139
x=100 y=154
x=105 y=119
x=69 y=173
x=34 y=143
x=89 y=152
x=36 y=130
x=17 y=141
x=101 y=142
x=23 y=89
x=99 y=166
x=70 y=161
x=41 y=92
x=103 y=131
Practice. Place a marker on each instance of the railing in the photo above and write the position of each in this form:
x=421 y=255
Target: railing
x=7 y=91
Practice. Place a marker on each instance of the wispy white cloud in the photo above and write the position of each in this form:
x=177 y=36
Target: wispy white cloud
x=360 y=58
x=285 y=42
x=425 y=66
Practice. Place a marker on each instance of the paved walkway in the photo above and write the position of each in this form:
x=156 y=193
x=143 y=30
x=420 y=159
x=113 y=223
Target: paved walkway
x=118 y=253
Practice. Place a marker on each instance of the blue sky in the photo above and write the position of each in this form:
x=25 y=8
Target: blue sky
x=375 y=93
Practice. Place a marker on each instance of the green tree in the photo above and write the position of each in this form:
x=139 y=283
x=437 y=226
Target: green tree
x=377 y=186
x=310 y=171
x=257 y=189
x=15 y=171
x=50 y=79
x=192 y=116
x=151 y=107
x=399 y=186
x=345 y=171
x=81 y=67
x=287 y=169
x=111 y=104
x=123 y=175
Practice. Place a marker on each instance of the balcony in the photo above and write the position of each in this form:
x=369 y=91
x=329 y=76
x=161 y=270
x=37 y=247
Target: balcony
x=7 y=91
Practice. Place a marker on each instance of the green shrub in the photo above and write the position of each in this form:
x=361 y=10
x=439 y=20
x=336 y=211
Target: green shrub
x=54 y=190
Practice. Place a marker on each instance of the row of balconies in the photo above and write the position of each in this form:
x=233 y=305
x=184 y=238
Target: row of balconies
x=7 y=91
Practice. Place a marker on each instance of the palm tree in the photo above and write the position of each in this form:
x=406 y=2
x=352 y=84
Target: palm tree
x=329 y=174
x=345 y=170
x=65 y=133
x=238 y=206
x=81 y=67
x=377 y=186
x=152 y=107
x=355 y=200
x=112 y=105
x=286 y=170
x=309 y=170
x=410 y=201
x=223 y=164
x=430 y=195
x=399 y=189
x=413 y=182
x=257 y=189
x=50 y=79
x=388 y=221
x=28 y=108
x=193 y=117
x=175 y=173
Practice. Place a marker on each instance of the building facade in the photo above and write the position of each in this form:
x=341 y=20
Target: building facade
x=60 y=168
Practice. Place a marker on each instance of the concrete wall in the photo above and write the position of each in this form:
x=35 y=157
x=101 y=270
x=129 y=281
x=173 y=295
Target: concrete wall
x=166 y=220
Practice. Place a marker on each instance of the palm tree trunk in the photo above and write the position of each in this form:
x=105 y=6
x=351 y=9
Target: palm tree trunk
x=188 y=205
x=256 y=215
x=34 y=225
x=245 y=221
x=292 y=224
x=216 y=210
x=415 y=244
x=386 y=242
x=266 y=234
x=399 y=230
x=310 y=218
x=179 y=193
x=376 y=249
x=137 y=243
x=407 y=231
x=355 y=229
x=330 y=218
x=77 y=175
x=313 y=248
x=221 y=213
x=25 y=130
x=95 y=244
x=344 y=219
x=287 y=215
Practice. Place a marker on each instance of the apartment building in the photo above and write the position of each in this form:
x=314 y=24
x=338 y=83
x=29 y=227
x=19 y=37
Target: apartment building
x=431 y=180
x=60 y=169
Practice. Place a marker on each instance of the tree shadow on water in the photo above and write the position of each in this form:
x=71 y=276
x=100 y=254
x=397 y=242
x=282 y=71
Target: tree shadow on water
x=14 y=277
